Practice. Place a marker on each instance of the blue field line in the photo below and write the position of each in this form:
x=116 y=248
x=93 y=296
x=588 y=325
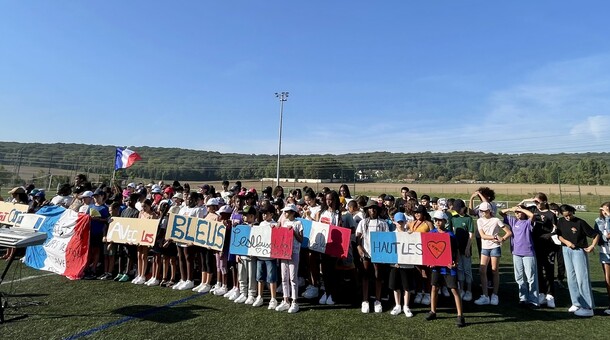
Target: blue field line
x=129 y=318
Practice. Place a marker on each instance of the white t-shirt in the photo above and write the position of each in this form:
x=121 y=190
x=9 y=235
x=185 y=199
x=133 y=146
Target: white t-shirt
x=313 y=211
x=298 y=227
x=330 y=217
x=373 y=225
x=193 y=212
x=490 y=227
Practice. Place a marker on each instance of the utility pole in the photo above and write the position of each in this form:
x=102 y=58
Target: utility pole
x=283 y=96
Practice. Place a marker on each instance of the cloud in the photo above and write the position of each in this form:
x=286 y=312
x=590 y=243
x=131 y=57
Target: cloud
x=595 y=126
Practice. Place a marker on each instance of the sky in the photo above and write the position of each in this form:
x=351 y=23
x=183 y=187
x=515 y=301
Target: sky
x=400 y=76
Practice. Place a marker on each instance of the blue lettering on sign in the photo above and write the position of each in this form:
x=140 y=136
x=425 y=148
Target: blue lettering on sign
x=202 y=231
x=179 y=221
x=188 y=229
x=384 y=248
x=240 y=236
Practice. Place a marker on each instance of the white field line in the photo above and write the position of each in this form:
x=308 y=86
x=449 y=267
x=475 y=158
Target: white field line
x=28 y=278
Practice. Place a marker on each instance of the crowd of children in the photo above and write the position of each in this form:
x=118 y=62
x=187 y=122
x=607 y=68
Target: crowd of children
x=535 y=228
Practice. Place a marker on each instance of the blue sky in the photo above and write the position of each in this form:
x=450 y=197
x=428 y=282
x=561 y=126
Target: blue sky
x=399 y=76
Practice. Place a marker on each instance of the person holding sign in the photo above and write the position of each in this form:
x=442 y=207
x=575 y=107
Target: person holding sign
x=445 y=275
x=369 y=224
x=421 y=224
x=290 y=268
x=207 y=257
x=491 y=251
x=266 y=267
x=399 y=274
x=146 y=213
x=185 y=251
x=247 y=266
x=330 y=213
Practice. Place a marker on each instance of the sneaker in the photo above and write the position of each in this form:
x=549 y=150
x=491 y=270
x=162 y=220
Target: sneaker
x=377 y=307
x=365 y=307
x=467 y=296
x=607 y=311
x=240 y=299
x=293 y=308
x=541 y=299
x=196 y=289
x=152 y=282
x=282 y=307
x=188 y=284
x=169 y=284
x=231 y=294
x=124 y=278
x=272 y=304
x=426 y=299
x=573 y=308
x=407 y=311
x=460 y=322
x=550 y=301
x=584 y=312
x=135 y=279
x=445 y=291
x=419 y=297
x=103 y=276
x=396 y=310
x=205 y=288
x=483 y=300
x=323 y=299
x=431 y=316
x=329 y=300
x=258 y=302
x=178 y=285
x=249 y=300
x=220 y=291
x=494 y=300
x=213 y=288
x=311 y=292
x=118 y=277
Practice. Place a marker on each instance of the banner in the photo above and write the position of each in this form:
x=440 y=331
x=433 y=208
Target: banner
x=429 y=249
x=10 y=213
x=325 y=238
x=200 y=232
x=66 y=249
x=138 y=231
x=262 y=241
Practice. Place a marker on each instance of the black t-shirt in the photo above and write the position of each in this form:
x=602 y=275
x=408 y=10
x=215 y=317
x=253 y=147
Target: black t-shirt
x=543 y=226
x=576 y=231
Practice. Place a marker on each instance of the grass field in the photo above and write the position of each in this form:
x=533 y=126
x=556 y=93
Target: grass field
x=44 y=306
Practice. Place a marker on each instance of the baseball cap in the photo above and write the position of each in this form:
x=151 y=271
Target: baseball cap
x=442 y=203
x=131 y=185
x=212 y=201
x=388 y=198
x=225 y=209
x=40 y=193
x=86 y=194
x=439 y=215
x=290 y=207
x=484 y=206
x=179 y=195
x=400 y=217
x=98 y=191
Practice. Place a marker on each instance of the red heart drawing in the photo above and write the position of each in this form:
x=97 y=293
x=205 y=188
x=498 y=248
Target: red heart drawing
x=437 y=248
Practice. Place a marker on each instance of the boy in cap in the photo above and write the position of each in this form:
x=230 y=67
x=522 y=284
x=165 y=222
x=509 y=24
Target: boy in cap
x=247 y=265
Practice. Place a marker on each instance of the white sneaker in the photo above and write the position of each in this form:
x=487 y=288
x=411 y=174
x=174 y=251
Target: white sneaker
x=396 y=310
x=483 y=300
x=584 y=312
x=311 y=292
x=293 y=308
x=233 y=295
x=365 y=307
x=282 y=307
x=139 y=280
x=377 y=307
x=197 y=288
x=550 y=301
x=494 y=300
x=272 y=304
x=220 y=291
x=467 y=296
x=178 y=285
x=541 y=299
x=258 y=302
x=231 y=292
x=419 y=297
x=329 y=300
x=249 y=300
x=241 y=298
x=323 y=299
x=152 y=282
x=188 y=284
x=426 y=299
x=445 y=291
x=573 y=308
x=214 y=287
x=149 y=280
x=205 y=288
x=135 y=279
x=408 y=312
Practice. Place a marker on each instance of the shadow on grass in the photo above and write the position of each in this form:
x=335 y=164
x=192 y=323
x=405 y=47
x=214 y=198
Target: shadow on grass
x=162 y=314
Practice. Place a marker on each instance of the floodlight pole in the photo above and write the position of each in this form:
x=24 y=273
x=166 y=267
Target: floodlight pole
x=283 y=96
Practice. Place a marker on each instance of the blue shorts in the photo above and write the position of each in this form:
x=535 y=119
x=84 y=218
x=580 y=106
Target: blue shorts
x=493 y=252
x=266 y=271
x=604 y=258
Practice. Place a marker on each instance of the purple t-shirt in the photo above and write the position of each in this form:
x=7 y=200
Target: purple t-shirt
x=521 y=243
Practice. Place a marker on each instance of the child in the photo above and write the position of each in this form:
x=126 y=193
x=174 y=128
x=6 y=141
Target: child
x=222 y=256
x=399 y=274
x=491 y=251
x=524 y=257
x=463 y=228
x=146 y=213
x=109 y=247
x=603 y=226
x=247 y=266
x=290 y=267
x=266 y=268
x=446 y=275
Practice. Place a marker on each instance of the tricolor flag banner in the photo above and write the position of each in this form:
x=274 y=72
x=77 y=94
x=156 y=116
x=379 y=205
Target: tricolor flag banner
x=263 y=241
x=430 y=249
x=325 y=238
x=125 y=158
x=66 y=249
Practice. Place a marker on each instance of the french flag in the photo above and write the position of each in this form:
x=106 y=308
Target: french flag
x=125 y=158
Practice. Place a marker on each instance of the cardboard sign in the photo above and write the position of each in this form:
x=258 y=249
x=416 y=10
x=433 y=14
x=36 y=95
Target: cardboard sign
x=262 y=241
x=11 y=213
x=138 y=231
x=430 y=249
x=200 y=232
x=325 y=238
